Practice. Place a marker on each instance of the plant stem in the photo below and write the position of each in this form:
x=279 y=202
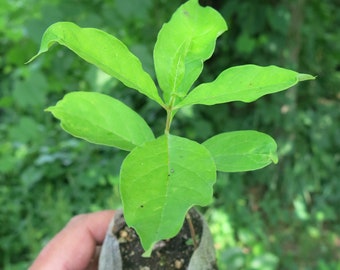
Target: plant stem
x=169 y=116
x=168 y=121
x=192 y=231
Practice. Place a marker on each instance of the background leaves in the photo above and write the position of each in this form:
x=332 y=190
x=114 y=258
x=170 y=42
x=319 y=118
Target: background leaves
x=280 y=217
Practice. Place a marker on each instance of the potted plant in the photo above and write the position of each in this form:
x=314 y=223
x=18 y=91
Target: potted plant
x=162 y=178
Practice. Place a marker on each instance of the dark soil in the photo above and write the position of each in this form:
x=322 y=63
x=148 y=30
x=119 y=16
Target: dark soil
x=173 y=253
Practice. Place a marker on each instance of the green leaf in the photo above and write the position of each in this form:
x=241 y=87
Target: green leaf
x=104 y=51
x=183 y=44
x=160 y=181
x=101 y=119
x=244 y=83
x=240 y=151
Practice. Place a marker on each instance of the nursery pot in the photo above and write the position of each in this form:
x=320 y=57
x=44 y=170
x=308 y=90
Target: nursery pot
x=122 y=250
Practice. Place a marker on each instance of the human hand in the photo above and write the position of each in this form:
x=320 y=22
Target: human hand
x=76 y=245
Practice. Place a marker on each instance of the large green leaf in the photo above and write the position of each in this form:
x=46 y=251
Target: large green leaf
x=244 y=83
x=104 y=51
x=101 y=119
x=183 y=44
x=240 y=151
x=160 y=181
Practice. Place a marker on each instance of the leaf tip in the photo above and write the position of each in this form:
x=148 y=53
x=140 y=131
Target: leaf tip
x=274 y=158
x=31 y=59
x=305 y=77
x=49 y=109
x=147 y=252
x=41 y=51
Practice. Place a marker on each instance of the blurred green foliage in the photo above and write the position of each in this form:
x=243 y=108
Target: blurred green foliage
x=285 y=216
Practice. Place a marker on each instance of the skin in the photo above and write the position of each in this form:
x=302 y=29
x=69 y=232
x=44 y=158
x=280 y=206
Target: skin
x=76 y=246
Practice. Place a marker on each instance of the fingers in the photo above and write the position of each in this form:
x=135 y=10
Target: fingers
x=74 y=247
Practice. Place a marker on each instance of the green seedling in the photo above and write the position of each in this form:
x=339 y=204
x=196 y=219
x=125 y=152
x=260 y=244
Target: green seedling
x=162 y=178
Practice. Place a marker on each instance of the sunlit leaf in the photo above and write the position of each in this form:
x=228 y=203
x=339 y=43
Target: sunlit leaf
x=104 y=51
x=244 y=83
x=101 y=119
x=240 y=151
x=160 y=181
x=183 y=44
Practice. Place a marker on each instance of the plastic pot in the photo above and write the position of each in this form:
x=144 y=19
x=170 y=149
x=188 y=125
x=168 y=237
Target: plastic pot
x=203 y=258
